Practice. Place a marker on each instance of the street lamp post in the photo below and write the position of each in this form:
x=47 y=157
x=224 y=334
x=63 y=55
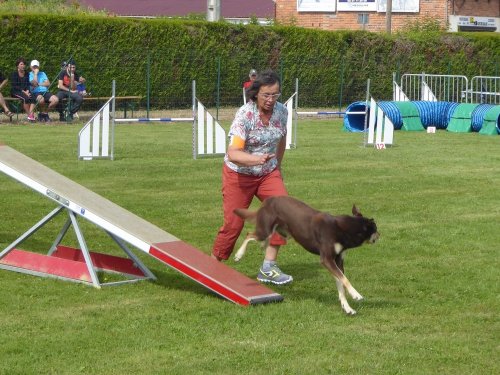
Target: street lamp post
x=213 y=10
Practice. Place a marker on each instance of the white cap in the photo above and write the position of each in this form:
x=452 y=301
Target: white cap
x=35 y=63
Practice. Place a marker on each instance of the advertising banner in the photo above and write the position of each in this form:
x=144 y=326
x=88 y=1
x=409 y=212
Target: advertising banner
x=357 y=5
x=316 y=5
x=400 y=6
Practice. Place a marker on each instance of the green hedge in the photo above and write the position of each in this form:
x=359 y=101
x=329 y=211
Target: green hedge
x=332 y=67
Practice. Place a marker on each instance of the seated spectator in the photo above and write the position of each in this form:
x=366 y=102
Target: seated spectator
x=40 y=90
x=67 y=85
x=82 y=90
x=20 y=88
x=3 y=82
x=252 y=75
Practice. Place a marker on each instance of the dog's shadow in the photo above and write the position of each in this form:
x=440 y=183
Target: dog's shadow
x=313 y=282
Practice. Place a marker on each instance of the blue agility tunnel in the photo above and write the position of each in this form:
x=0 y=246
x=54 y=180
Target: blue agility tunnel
x=428 y=113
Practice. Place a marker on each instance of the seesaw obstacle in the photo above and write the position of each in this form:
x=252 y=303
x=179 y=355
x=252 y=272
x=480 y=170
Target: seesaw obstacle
x=126 y=229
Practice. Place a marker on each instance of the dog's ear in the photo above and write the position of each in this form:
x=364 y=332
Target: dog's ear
x=356 y=212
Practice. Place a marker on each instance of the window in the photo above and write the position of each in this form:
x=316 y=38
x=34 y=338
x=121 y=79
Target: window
x=363 y=18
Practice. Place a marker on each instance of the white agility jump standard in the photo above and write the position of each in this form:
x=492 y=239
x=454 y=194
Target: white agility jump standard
x=80 y=265
x=209 y=138
x=291 y=122
x=398 y=94
x=380 y=127
x=95 y=137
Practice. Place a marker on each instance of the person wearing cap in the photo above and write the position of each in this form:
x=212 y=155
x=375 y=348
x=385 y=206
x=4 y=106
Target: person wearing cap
x=252 y=75
x=40 y=89
x=20 y=88
x=67 y=85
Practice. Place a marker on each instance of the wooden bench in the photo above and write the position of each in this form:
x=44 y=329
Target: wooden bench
x=128 y=102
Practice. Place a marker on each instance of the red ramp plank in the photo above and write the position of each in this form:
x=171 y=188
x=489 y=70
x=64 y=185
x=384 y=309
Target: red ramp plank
x=212 y=274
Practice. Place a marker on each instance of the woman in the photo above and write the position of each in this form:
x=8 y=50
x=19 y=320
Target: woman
x=20 y=88
x=3 y=104
x=252 y=168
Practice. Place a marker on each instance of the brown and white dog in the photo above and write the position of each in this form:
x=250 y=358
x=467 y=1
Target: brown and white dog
x=318 y=232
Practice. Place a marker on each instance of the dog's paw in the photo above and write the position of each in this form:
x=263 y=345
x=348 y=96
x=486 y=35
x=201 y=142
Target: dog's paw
x=239 y=254
x=348 y=310
x=355 y=295
x=358 y=297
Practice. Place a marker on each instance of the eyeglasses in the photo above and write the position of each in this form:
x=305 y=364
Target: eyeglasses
x=270 y=96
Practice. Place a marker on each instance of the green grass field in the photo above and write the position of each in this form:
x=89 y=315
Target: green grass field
x=430 y=284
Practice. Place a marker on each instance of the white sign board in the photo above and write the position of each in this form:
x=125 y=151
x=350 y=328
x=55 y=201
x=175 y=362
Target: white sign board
x=400 y=6
x=316 y=5
x=476 y=21
x=356 y=5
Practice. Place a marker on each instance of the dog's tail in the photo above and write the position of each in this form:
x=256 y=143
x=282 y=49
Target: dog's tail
x=250 y=216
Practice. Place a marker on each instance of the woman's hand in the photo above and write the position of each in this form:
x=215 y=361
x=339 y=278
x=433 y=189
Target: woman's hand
x=264 y=158
x=239 y=157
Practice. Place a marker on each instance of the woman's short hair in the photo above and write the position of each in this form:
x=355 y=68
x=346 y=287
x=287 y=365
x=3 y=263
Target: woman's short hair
x=266 y=78
x=20 y=60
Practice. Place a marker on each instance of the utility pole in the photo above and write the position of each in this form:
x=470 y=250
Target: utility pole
x=213 y=10
x=388 y=16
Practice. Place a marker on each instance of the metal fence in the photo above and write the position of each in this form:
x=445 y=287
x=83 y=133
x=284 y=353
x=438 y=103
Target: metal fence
x=484 y=89
x=435 y=87
x=451 y=88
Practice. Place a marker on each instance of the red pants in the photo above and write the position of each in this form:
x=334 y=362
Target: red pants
x=238 y=191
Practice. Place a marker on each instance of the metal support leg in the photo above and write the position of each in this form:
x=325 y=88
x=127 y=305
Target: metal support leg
x=85 y=250
x=132 y=256
x=60 y=236
x=32 y=230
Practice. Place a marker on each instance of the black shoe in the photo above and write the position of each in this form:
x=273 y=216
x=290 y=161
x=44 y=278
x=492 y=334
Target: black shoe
x=43 y=117
x=62 y=118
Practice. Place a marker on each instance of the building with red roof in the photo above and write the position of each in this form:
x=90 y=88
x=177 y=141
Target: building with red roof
x=240 y=11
